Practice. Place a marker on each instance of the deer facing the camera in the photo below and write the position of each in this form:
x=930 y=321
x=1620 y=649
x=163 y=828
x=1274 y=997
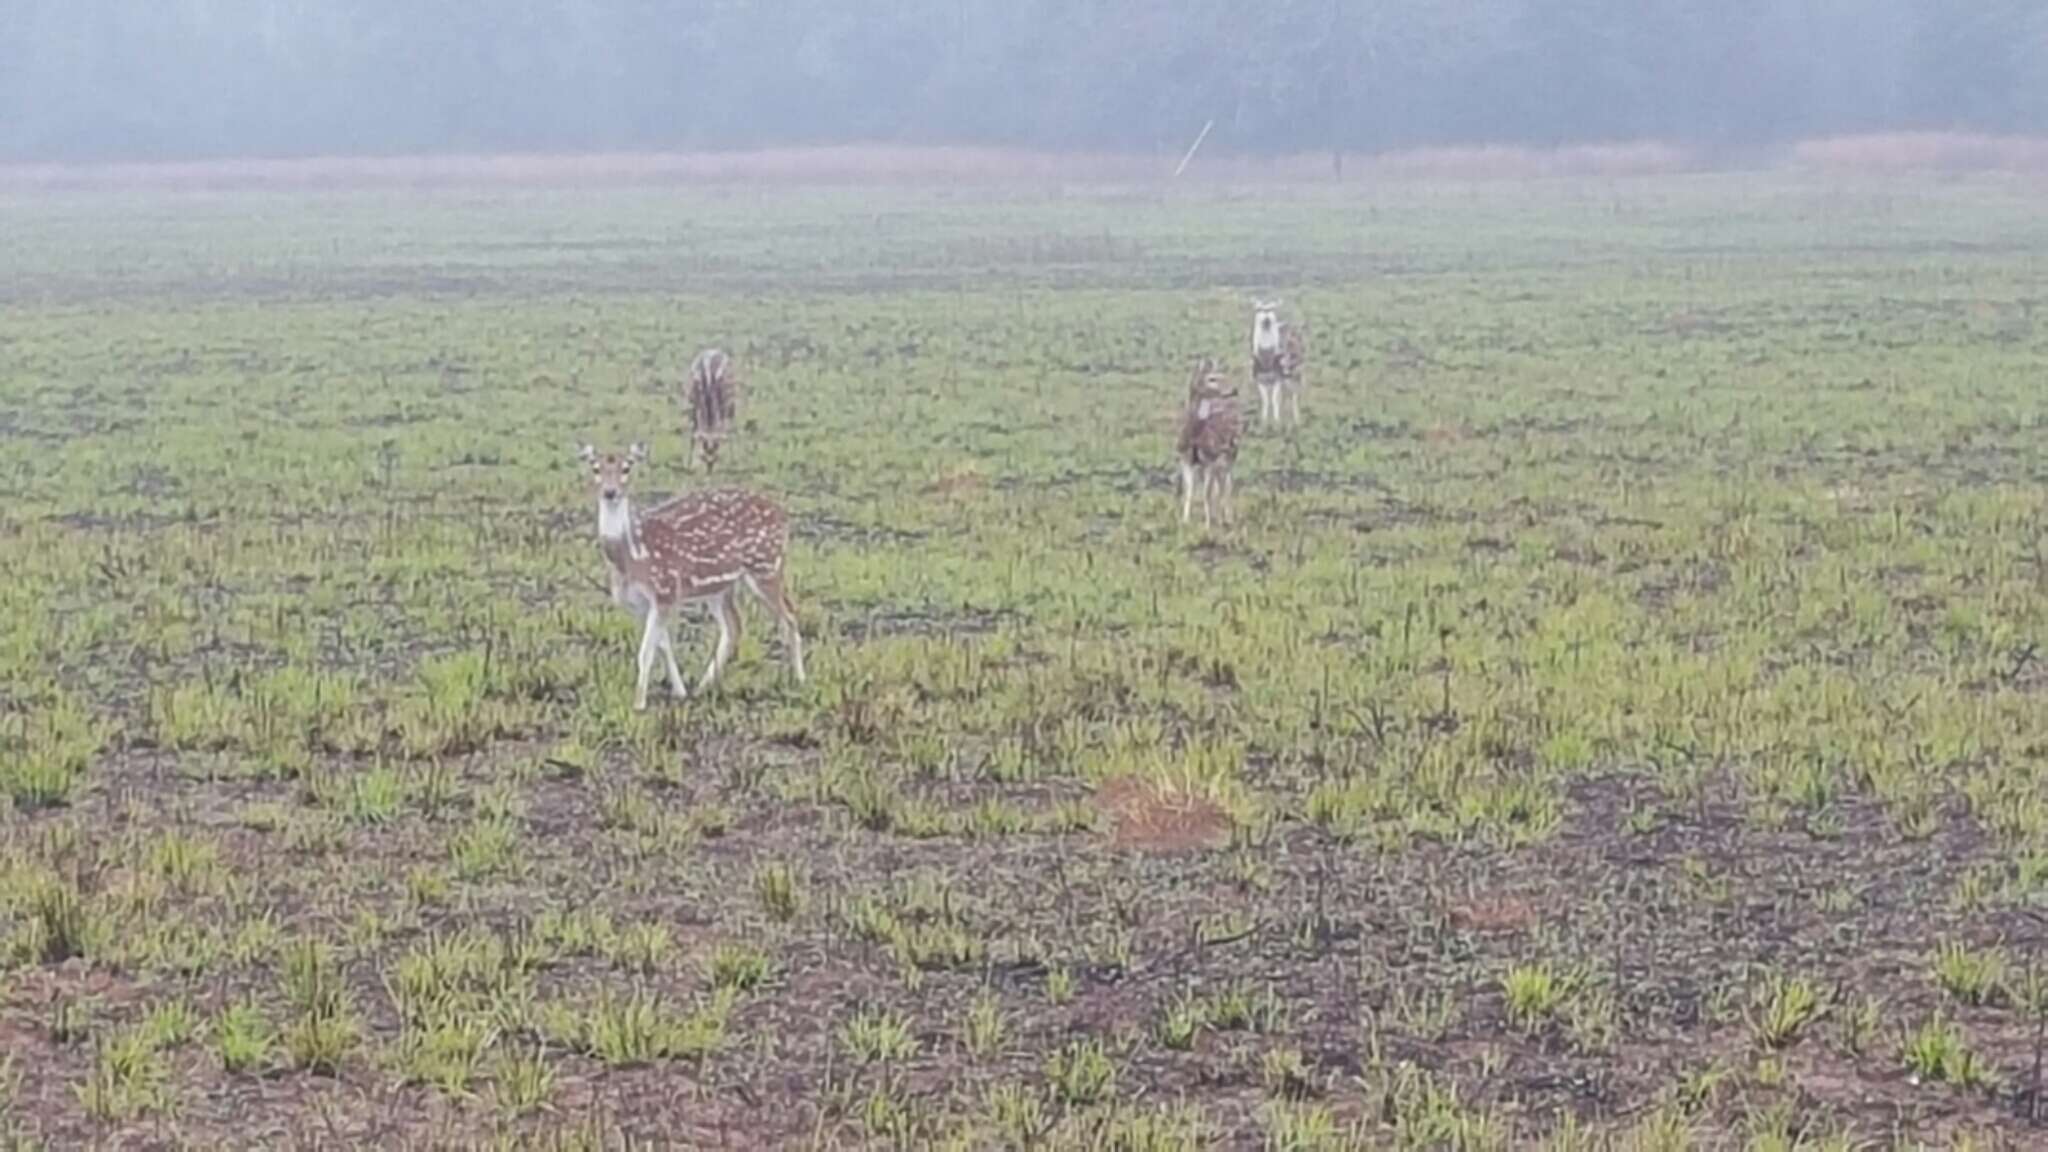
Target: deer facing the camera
x=1209 y=430
x=713 y=400
x=1278 y=353
x=697 y=548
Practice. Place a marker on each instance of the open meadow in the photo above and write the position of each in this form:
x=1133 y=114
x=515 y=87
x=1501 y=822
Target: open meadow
x=1618 y=717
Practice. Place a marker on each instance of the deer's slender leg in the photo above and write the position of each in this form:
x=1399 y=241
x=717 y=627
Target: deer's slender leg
x=1223 y=494
x=1187 y=491
x=675 y=674
x=1294 y=401
x=792 y=635
x=770 y=592
x=721 y=607
x=731 y=599
x=650 y=644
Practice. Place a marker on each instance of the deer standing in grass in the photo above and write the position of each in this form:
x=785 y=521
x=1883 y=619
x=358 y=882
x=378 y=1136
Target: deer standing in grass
x=1278 y=352
x=713 y=401
x=1209 y=429
x=696 y=548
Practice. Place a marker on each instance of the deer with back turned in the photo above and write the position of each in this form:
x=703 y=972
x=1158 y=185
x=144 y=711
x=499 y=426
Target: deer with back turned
x=712 y=398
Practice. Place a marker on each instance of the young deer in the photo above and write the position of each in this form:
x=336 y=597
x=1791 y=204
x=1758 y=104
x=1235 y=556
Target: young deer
x=697 y=548
x=1209 y=430
x=1277 y=355
x=713 y=400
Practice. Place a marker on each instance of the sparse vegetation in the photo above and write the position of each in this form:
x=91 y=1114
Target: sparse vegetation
x=1612 y=719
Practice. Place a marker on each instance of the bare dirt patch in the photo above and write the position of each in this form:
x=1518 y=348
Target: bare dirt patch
x=1148 y=819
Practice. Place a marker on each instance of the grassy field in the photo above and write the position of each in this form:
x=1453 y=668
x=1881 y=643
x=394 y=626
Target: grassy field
x=1618 y=718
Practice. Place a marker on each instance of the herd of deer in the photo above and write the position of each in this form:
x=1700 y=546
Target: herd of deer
x=704 y=547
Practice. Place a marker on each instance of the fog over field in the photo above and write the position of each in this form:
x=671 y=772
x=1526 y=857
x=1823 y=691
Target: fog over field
x=114 y=79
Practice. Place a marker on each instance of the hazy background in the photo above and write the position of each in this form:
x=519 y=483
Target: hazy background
x=195 y=79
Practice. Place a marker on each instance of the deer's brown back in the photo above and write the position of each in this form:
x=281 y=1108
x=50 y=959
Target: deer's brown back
x=713 y=395
x=1293 y=350
x=1211 y=437
x=703 y=537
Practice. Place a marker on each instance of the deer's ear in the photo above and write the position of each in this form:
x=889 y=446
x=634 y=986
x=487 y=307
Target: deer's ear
x=638 y=451
x=586 y=453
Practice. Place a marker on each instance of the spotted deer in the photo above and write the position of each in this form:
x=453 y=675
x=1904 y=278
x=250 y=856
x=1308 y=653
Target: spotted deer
x=696 y=548
x=1278 y=353
x=1209 y=429
x=713 y=399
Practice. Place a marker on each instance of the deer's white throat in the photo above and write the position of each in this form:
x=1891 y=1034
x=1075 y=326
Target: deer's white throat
x=1266 y=337
x=615 y=522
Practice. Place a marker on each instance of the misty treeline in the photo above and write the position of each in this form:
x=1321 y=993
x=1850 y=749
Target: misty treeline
x=85 y=79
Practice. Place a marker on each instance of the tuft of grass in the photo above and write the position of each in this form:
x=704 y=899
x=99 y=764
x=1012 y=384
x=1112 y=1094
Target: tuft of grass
x=187 y=863
x=779 y=890
x=874 y=1035
x=62 y=924
x=43 y=762
x=1972 y=976
x=643 y=948
x=323 y=1030
x=1238 y=1007
x=1180 y=1020
x=483 y=848
x=70 y=1020
x=1059 y=984
x=1535 y=994
x=1857 y=1023
x=1285 y=1074
x=1782 y=1008
x=522 y=1081
x=446 y=1052
x=243 y=1039
x=127 y=1079
x=740 y=967
x=171 y=1024
x=983 y=1030
x=627 y=1032
x=634 y=1030
x=1017 y=1115
x=1081 y=1073
x=1291 y=1126
x=1936 y=1052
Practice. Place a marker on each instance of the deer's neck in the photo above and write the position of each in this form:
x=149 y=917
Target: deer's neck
x=616 y=533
